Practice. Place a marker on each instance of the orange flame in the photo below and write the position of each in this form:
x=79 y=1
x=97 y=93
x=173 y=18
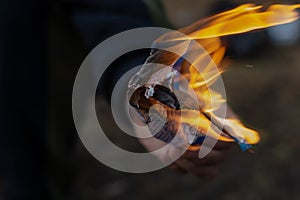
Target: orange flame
x=207 y=32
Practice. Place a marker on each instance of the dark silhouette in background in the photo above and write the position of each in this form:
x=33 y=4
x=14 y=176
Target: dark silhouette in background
x=24 y=86
x=23 y=76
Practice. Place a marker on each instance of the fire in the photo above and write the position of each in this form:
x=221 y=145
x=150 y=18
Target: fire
x=207 y=32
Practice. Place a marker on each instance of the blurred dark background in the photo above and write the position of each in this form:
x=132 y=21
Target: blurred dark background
x=41 y=157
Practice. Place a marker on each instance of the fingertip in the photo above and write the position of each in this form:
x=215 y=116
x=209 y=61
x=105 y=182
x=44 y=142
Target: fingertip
x=220 y=145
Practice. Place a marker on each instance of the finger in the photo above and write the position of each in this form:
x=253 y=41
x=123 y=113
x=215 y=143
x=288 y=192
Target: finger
x=213 y=158
x=200 y=171
x=177 y=168
x=221 y=145
x=185 y=164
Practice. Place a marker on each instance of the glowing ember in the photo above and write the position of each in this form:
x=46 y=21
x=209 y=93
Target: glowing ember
x=207 y=32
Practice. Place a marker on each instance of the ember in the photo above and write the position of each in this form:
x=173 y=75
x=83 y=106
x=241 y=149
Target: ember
x=201 y=119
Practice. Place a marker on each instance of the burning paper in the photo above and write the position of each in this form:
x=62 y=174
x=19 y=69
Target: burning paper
x=159 y=94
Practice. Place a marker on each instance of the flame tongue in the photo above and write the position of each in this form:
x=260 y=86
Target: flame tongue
x=207 y=32
x=242 y=19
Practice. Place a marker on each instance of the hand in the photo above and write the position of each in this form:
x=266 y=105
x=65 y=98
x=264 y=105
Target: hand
x=207 y=167
x=189 y=162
